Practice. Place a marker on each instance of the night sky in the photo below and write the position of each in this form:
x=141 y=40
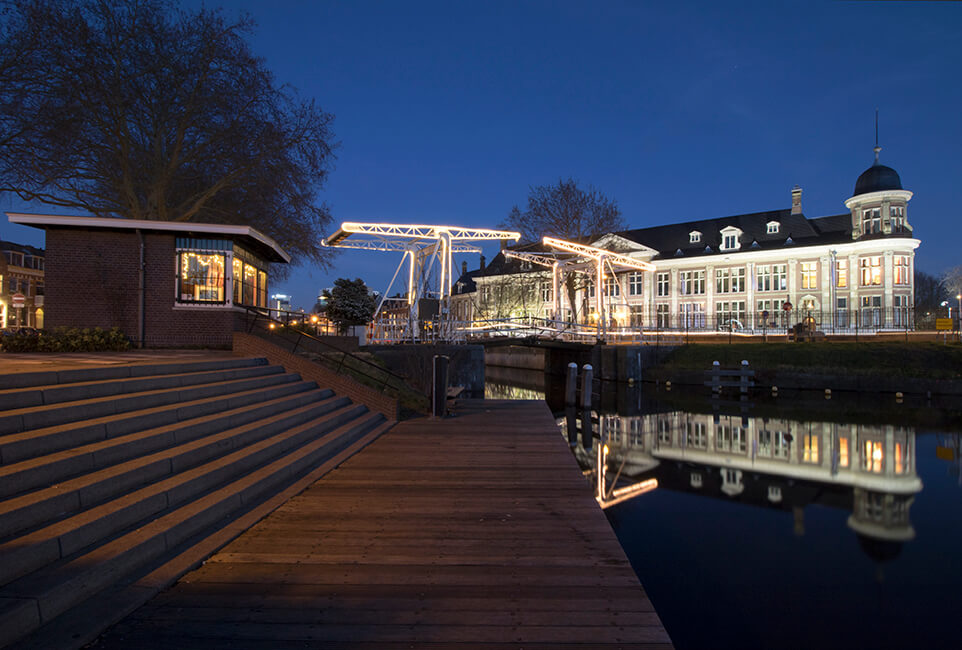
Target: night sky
x=448 y=112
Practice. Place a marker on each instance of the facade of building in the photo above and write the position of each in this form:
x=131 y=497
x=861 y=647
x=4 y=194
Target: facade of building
x=748 y=272
x=164 y=284
x=21 y=273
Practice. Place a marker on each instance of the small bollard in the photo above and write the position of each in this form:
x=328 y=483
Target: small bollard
x=571 y=384
x=898 y=397
x=715 y=378
x=667 y=385
x=743 y=378
x=828 y=393
x=586 y=374
x=774 y=391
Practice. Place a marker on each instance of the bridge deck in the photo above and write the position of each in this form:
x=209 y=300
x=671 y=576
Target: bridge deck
x=475 y=530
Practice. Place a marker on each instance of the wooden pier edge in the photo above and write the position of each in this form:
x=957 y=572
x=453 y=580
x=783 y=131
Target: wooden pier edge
x=475 y=530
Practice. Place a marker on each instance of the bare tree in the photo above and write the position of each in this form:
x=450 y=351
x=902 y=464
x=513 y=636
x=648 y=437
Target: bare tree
x=137 y=109
x=951 y=282
x=566 y=211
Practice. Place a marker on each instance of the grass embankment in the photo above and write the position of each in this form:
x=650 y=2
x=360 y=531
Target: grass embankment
x=925 y=360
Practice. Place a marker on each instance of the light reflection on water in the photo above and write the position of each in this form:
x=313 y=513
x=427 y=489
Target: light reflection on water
x=775 y=530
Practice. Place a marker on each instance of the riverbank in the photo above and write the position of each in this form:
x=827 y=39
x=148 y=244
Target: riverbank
x=907 y=367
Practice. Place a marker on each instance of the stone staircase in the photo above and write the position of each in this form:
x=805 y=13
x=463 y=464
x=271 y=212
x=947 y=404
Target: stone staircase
x=114 y=481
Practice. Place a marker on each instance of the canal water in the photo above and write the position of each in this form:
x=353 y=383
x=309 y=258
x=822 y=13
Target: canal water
x=785 y=522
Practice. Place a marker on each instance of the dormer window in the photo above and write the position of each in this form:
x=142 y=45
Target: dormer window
x=730 y=239
x=773 y=227
x=897 y=217
x=694 y=237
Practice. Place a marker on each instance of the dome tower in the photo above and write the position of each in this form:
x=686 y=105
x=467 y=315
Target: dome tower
x=878 y=204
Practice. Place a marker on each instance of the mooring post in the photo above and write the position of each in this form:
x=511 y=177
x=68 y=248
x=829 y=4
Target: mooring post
x=571 y=384
x=744 y=377
x=586 y=372
x=715 y=377
x=439 y=386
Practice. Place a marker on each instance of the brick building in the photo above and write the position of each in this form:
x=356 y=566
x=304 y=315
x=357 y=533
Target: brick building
x=165 y=284
x=21 y=272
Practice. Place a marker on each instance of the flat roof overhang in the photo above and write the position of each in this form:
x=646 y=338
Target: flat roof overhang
x=253 y=238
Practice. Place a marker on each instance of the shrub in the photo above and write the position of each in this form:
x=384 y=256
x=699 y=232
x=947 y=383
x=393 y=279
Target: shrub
x=63 y=339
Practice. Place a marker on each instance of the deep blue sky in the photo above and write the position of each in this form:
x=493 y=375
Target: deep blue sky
x=448 y=112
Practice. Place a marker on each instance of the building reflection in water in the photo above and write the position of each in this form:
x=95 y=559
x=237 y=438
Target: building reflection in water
x=867 y=470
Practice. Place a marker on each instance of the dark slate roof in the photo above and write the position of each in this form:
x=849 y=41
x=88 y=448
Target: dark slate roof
x=876 y=179
x=794 y=230
x=21 y=248
x=466 y=284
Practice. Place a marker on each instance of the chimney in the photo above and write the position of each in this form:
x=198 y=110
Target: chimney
x=796 y=200
x=482 y=262
x=464 y=267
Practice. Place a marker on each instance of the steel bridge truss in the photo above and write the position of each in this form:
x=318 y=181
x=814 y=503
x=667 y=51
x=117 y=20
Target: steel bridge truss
x=424 y=248
x=571 y=257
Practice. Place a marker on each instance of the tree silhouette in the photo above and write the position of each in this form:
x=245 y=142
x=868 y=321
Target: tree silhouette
x=138 y=109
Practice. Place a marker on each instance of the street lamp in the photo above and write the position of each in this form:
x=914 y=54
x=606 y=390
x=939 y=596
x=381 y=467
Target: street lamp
x=945 y=303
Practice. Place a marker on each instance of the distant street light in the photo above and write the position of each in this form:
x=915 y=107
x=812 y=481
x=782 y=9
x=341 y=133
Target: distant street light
x=945 y=303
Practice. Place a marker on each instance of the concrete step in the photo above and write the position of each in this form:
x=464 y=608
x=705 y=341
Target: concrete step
x=60 y=466
x=24 y=419
x=56 y=501
x=17 y=447
x=58 y=394
x=83 y=623
x=42 y=596
x=104 y=373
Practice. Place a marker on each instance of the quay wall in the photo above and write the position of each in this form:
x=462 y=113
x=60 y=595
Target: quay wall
x=765 y=379
x=414 y=362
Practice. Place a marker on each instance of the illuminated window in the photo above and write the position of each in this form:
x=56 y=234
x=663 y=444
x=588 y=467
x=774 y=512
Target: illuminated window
x=250 y=284
x=810 y=448
x=901 y=270
x=872 y=457
x=841 y=273
x=201 y=277
x=809 y=275
x=261 y=289
x=843 y=452
x=237 y=268
x=899 y=459
x=870 y=271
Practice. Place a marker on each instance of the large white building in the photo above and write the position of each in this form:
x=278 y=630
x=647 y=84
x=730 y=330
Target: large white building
x=737 y=272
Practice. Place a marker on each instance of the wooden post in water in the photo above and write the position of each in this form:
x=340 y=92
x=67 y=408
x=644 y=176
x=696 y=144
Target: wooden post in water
x=743 y=383
x=571 y=384
x=586 y=372
x=716 y=377
x=571 y=391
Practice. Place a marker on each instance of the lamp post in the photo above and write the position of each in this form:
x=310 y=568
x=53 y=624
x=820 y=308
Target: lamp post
x=959 y=298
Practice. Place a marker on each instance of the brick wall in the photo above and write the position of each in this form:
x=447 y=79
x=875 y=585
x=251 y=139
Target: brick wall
x=248 y=345
x=92 y=280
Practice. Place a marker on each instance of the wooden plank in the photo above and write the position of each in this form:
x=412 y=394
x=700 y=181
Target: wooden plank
x=477 y=530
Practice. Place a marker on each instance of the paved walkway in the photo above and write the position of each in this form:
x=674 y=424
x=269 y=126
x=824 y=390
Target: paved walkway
x=41 y=362
x=478 y=530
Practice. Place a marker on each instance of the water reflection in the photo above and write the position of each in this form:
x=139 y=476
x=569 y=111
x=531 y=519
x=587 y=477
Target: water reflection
x=868 y=470
x=810 y=516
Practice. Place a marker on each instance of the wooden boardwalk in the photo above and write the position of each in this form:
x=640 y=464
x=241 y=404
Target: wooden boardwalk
x=477 y=530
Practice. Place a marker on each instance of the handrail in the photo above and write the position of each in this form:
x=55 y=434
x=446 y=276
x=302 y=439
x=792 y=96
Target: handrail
x=264 y=315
